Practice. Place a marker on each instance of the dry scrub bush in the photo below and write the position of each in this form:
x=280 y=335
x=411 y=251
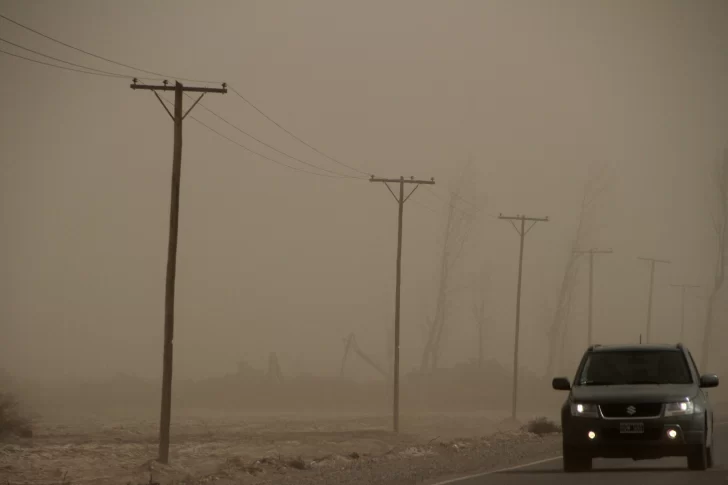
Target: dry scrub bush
x=12 y=422
x=542 y=426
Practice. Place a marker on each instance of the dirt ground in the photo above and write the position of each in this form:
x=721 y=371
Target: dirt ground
x=241 y=448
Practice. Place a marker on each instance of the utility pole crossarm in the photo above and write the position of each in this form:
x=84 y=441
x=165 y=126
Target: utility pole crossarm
x=410 y=180
x=524 y=218
x=653 y=260
x=593 y=251
x=167 y=87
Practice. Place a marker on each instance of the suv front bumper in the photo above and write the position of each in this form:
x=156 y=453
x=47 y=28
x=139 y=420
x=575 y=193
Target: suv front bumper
x=608 y=441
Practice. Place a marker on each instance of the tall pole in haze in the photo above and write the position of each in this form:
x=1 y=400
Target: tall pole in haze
x=683 y=290
x=652 y=262
x=400 y=204
x=177 y=118
x=591 y=253
x=522 y=233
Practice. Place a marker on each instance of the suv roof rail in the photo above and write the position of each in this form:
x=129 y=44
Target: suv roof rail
x=592 y=347
x=680 y=346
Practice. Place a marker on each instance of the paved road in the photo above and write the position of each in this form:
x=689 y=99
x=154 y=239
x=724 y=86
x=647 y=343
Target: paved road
x=667 y=471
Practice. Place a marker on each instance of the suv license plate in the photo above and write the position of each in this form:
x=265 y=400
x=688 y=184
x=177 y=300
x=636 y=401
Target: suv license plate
x=631 y=428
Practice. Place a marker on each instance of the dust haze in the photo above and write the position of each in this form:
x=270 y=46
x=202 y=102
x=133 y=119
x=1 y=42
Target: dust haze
x=513 y=107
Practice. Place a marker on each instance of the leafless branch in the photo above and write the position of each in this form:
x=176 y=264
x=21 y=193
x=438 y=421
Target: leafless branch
x=596 y=185
x=719 y=219
x=456 y=233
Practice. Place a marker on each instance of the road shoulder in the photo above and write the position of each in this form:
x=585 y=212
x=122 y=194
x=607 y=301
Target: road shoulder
x=438 y=463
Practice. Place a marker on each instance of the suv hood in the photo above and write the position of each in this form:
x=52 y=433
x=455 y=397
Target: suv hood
x=636 y=393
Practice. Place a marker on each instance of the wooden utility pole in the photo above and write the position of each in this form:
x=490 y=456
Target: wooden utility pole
x=591 y=253
x=522 y=233
x=400 y=202
x=683 y=289
x=652 y=262
x=177 y=118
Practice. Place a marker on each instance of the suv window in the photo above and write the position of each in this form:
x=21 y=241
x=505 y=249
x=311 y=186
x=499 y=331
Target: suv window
x=635 y=367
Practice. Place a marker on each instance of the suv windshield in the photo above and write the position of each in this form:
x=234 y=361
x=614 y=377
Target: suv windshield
x=606 y=368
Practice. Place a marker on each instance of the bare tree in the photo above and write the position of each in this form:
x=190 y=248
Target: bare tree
x=597 y=183
x=720 y=225
x=557 y=331
x=458 y=225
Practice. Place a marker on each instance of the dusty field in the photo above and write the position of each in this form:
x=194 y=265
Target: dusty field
x=257 y=448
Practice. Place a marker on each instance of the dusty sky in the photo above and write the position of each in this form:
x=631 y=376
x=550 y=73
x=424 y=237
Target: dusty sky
x=275 y=260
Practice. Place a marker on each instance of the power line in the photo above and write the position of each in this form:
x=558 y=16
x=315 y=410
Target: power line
x=111 y=74
x=60 y=67
x=271 y=159
x=274 y=148
x=108 y=73
x=122 y=76
x=294 y=136
x=257 y=153
x=100 y=72
x=119 y=76
x=101 y=57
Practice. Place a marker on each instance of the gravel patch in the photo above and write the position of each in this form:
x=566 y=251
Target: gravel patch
x=437 y=462
x=403 y=465
x=304 y=451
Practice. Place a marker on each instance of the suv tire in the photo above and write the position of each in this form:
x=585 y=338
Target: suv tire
x=698 y=458
x=575 y=461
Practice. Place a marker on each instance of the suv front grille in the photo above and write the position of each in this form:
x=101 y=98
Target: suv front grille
x=642 y=410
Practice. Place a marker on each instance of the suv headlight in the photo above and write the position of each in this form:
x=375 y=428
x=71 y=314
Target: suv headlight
x=584 y=410
x=679 y=408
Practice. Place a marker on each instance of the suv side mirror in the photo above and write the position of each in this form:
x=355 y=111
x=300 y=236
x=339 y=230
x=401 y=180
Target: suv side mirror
x=563 y=384
x=708 y=380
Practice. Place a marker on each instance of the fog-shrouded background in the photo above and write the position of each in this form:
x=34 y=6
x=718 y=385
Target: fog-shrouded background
x=535 y=94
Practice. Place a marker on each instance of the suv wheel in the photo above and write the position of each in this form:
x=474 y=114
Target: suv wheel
x=698 y=458
x=575 y=461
